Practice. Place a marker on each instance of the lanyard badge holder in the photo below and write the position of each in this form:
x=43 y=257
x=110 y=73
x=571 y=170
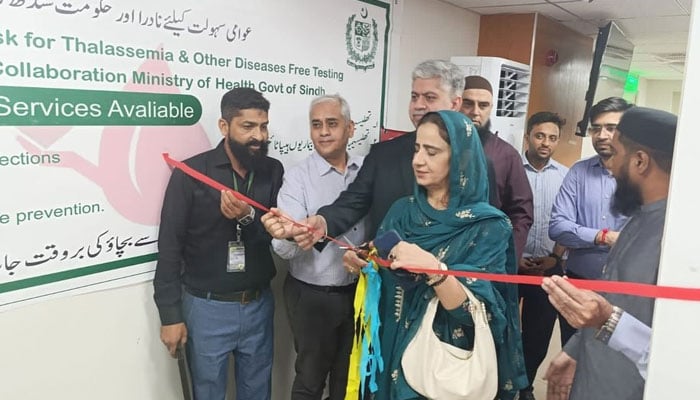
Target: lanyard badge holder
x=236 y=249
x=236 y=253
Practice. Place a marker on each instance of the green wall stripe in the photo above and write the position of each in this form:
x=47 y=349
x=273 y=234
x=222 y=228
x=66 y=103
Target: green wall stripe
x=76 y=273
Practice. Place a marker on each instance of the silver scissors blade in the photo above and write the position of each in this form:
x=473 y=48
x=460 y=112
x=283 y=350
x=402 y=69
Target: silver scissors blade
x=348 y=241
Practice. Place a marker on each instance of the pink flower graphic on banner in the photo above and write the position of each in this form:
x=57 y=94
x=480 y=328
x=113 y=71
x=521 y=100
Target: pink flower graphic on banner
x=130 y=169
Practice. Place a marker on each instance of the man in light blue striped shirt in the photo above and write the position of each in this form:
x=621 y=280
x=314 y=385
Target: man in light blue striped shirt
x=318 y=291
x=541 y=256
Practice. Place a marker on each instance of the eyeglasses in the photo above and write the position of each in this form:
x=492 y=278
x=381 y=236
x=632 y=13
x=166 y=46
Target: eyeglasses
x=596 y=129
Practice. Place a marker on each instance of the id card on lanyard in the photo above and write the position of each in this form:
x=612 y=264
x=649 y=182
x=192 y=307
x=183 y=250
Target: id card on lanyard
x=236 y=249
x=236 y=253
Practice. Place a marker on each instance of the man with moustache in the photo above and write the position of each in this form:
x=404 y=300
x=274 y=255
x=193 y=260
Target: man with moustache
x=541 y=255
x=212 y=281
x=318 y=291
x=582 y=218
x=607 y=358
x=513 y=193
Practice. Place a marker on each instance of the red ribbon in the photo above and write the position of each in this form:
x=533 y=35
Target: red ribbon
x=629 y=288
x=220 y=187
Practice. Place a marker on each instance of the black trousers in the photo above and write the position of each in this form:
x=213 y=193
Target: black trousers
x=538 y=316
x=322 y=325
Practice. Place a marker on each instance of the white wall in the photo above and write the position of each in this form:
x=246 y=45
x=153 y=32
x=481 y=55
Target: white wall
x=428 y=29
x=102 y=345
x=105 y=345
x=660 y=94
x=675 y=345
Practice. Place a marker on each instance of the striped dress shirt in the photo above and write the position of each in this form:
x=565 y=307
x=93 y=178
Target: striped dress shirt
x=308 y=186
x=545 y=185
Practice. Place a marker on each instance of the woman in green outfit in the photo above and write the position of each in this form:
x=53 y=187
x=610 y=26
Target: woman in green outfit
x=448 y=223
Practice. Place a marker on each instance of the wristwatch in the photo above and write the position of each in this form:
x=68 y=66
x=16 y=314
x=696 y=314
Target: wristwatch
x=437 y=279
x=605 y=332
x=247 y=219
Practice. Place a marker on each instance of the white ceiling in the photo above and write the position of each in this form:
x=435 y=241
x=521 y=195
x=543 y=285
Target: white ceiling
x=657 y=28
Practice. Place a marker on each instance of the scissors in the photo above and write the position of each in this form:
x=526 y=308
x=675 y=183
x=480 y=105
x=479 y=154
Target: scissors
x=362 y=250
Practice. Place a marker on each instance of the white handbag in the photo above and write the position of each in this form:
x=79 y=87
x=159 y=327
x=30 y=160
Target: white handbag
x=438 y=370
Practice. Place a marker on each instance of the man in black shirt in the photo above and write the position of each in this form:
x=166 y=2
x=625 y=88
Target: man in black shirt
x=214 y=263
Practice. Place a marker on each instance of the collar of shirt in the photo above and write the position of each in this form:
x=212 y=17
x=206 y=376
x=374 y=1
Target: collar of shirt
x=324 y=167
x=659 y=204
x=526 y=163
x=596 y=161
x=220 y=157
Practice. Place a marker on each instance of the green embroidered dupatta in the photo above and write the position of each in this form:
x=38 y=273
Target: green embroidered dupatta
x=470 y=235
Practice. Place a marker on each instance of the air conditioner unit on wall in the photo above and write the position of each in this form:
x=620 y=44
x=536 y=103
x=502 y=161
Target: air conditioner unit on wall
x=510 y=81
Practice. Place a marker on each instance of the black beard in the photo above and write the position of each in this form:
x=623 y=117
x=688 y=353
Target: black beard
x=484 y=130
x=628 y=198
x=250 y=159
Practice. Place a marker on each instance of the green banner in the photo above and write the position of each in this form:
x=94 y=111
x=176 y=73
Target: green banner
x=33 y=106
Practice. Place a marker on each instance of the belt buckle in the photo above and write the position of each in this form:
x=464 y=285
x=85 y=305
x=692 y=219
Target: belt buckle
x=248 y=296
x=244 y=301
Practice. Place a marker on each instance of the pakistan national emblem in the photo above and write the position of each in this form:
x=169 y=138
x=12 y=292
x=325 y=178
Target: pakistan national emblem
x=361 y=41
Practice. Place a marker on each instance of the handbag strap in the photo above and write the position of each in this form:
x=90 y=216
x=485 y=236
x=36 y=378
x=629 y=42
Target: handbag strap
x=482 y=331
x=477 y=309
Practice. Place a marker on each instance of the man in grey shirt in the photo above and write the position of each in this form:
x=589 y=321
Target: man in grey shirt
x=318 y=291
x=591 y=365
